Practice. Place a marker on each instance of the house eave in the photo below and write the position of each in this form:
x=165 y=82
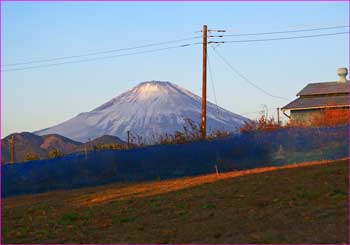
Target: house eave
x=315 y=108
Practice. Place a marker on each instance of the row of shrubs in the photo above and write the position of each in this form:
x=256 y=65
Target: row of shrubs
x=191 y=132
x=31 y=156
x=327 y=117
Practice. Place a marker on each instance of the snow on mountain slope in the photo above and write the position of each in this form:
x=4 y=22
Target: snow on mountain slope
x=149 y=109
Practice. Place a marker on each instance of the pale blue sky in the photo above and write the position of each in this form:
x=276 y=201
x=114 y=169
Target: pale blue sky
x=39 y=98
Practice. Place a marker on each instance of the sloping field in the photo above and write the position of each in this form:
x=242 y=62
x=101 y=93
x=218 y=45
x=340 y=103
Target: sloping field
x=298 y=203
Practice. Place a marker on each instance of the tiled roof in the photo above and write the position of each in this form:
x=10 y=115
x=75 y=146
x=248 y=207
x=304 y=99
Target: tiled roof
x=318 y=102
x=325 y=88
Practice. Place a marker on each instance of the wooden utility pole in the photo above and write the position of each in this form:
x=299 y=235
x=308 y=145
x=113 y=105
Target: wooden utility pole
x=128 y=139
x=204 y=84
x=278 y=115
x=13 y=149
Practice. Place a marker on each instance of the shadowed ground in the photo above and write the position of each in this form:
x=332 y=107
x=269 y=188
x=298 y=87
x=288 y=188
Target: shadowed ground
x=298 y=203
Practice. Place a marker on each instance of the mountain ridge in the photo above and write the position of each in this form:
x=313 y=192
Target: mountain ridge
x=26 y=142
x=41 y=146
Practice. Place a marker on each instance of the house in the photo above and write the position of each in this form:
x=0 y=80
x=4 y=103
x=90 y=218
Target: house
x=316 y=98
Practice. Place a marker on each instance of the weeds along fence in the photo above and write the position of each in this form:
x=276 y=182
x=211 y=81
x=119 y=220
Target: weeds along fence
x=239 y=151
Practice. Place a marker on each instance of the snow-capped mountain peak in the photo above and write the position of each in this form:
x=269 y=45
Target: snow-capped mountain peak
x=150 y=109
x=150 y=89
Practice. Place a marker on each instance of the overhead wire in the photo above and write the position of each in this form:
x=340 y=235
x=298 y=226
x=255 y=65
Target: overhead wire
x=100 y=52
x=246 y=79
x=164 y=42
x=154 y=50
x=212 y=83
x=281 y=32
x=98 y=58
x=280 y=38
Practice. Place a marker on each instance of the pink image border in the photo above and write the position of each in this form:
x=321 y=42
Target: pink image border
x=182 y=1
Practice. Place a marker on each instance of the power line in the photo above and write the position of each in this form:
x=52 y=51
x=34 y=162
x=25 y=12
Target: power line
x=280 y=32
x=147 y=51
x=99 y=58
x=100 y=52
x=212 y=83
x=150 y=45
x=280 y=38
x=245 y=78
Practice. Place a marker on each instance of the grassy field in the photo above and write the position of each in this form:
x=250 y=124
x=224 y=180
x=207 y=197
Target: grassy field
x=306 y=203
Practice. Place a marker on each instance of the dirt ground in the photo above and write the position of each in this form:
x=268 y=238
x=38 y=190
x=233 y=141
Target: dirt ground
x=298 y=203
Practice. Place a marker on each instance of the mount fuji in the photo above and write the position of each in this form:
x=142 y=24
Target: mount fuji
x=149 y=110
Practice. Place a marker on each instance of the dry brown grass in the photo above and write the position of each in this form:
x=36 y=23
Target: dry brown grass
x=107 y=193
x=155 y=188
x=287 y=204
